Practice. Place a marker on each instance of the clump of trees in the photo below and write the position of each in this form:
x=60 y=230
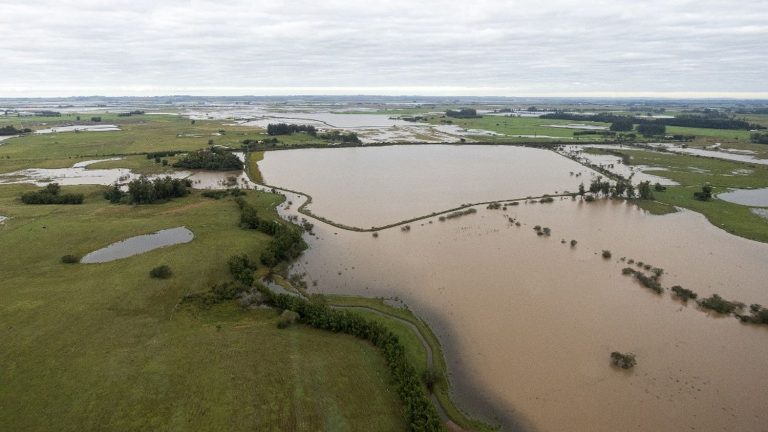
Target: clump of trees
x=759 y=138
x=51 y=194
x=623 y=360
x=494 y=206
x=162 y=154
x=704 y=195
x=287 y=129
x=219 y=194
x=286 y=244
x=606 y=254
x=683 y=293
x=462 y=113
x=758 y=315
x=622 y=124
x=161 y=272
x=242 y=268
x=458 y=213
x=342 y=137
x=287 y=318
x=145 y=191
x=644 y=191
x=720 y=305
x=651 y=129
x=10 y=130
x=212 y=160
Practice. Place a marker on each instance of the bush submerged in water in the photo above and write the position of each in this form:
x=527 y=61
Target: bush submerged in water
x=623 y=360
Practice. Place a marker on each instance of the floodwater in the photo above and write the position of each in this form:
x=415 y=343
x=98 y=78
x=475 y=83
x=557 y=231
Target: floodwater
x=527 y=322
x=3 y=219
x=375 y=186
x=614 y=164
x=79 y=128
x=748 y=197
x=731 y=155
x=139 y=244
x=580 y=126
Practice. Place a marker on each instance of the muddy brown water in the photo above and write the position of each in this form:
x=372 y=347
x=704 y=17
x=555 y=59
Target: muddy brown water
x=375 y=186
x=528 y=323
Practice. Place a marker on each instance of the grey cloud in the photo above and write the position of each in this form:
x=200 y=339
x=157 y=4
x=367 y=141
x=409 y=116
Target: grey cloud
x=498 y=47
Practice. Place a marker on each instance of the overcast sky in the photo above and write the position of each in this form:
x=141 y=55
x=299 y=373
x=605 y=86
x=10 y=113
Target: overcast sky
x=471 y=47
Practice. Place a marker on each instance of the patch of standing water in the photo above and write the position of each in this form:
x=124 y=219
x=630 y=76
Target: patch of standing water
x=578 y=126
x=747 y=197
x=86 y=163
x=721 y=154
x=3 y=219
x=763 y=213
x=79 y=128
x=139 y=244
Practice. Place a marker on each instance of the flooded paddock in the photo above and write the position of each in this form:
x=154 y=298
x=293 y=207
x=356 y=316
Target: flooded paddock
x=528 y=322
x=748 y=197
x=375 y=186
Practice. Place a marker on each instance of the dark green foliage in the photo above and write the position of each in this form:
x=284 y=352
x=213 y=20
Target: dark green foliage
x=51 y=195
x=651 y=129
x=705 y=194
x=214 y=194
x=623 y=360
x=494 y=206
x=712 y=120
x=114 y=194
x=96 y=119
x=161 y=272
x=606 y=254
x=757 y=138
x=719 y=304
x=644 y=191
x=342 y=137
x=145 y=191
x=287 y=129
x=431 y=377
x=759 y=315
x=10 y=130
x=658 y=187
x=70 y=259
x=599 y=186
x=582 y=191
x=546 y=200
x=589 y=198
x=420 y=413
x=286 y=243
x=683 y=294
x=212 y=160
x=649 y=282
x=622 y=124
x=161 y=154
x=627 y=271
x=463 y=113
x=573 y=243
x=287 y=318
x=242 y=268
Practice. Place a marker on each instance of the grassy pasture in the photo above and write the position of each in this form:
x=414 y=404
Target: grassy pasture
x=105 y=347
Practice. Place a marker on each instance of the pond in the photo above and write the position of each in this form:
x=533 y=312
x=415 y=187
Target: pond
x=139 y=244
x=375 y=186
x=748 y=197
x=527 y=322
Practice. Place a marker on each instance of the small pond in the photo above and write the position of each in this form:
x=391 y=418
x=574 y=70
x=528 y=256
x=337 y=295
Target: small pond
x=139 y=244
x=749 y=197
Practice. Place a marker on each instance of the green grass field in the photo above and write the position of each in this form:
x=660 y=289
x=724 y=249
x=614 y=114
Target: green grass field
x=105 y=347
x=692 y=172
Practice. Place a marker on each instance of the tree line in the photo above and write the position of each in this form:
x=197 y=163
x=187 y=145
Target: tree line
x=685 y=120
x=10 y=130
x=286 y=244
x=287 y=129
x=462 y=113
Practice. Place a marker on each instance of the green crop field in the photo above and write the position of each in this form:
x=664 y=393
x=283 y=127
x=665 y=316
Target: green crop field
x=105 y=347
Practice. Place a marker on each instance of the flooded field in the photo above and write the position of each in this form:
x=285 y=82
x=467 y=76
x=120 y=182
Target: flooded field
x=79 y=128
x=139 y=244
x=528 y=322
x=729 y=154
x=614 y=164
x=749 y=197
x=375 y=186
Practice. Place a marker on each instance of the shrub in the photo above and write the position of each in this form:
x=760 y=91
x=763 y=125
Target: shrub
x=287 y=318
x=70 y=259
x=161 y=272
x=627 y=271
x=546 y=200
x=683 y=294
x=494 y=206
x=606 y=254
x=51 y=195
x=705 y=194
x=719 y=304
x=242 y=267
x=649 y=282
x=623 y=360
x=589 y=198
x=573 y=243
